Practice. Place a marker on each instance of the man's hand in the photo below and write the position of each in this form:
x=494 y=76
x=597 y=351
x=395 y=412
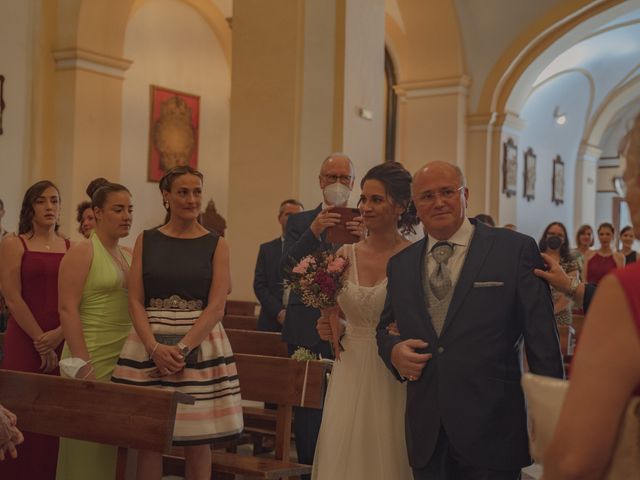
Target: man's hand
x=324 y=220
x=356 y=227
x=280 y=317
x=555 y=275
x=408 y=363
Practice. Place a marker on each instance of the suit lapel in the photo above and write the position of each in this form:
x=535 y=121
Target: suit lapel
x=481 y=243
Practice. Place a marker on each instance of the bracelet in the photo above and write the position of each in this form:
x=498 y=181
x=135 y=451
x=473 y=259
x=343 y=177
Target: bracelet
x=88 y=373
x=155 y=347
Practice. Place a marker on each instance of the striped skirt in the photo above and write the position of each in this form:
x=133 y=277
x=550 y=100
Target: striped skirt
x=212 y=380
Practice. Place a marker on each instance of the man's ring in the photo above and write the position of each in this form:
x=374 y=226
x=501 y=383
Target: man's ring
x=411 y=378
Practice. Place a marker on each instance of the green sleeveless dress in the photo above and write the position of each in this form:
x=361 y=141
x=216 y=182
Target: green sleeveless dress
x=105 y=325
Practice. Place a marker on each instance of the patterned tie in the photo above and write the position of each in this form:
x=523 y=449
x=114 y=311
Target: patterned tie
x=440 y=278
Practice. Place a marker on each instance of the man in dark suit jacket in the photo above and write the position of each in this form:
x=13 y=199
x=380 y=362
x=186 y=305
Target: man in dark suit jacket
x=462 y=316
x=305 y=234
x=267 y=280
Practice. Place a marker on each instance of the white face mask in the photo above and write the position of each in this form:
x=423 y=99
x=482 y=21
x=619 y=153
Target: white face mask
x=336 y=194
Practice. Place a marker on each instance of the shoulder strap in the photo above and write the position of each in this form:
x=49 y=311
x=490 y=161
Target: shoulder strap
x=354 y=263
x=24 y=244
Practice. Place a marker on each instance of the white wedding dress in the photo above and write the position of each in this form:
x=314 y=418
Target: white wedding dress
x=362 y=433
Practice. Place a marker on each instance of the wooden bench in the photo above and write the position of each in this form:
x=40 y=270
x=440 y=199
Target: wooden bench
x=280 y=381
x=240 y=307
x=240 y=322
x=102 y=412
x=254 y=342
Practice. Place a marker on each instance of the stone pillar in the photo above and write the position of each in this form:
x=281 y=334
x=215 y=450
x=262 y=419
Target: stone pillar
x=437 y=109
x=88 y=115
x=585 y=185
x=307 y=80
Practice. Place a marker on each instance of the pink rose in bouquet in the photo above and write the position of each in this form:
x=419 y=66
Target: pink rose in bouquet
x=318 y=279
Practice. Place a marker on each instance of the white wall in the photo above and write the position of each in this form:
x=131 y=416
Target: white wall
x=172 y=46
x=16 y=23
x=570 y=92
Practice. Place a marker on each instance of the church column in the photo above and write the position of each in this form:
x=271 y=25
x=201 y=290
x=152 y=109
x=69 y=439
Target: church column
x=307 y=80
x=432 y=119
x=585 y=185
x=88 y=116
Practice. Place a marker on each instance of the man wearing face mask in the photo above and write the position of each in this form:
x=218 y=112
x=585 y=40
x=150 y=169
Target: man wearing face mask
x=305 y=234
x=555 y=244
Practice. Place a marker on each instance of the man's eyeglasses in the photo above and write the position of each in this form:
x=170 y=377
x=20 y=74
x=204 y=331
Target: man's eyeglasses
x=346 y=179
x=446 y=194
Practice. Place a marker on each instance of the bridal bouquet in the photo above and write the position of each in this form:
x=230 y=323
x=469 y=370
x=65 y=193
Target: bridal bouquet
x=318 y=279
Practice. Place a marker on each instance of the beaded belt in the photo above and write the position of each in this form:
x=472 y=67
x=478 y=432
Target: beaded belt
x=175 y=302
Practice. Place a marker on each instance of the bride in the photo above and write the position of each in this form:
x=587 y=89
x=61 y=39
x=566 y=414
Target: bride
x=362 y=432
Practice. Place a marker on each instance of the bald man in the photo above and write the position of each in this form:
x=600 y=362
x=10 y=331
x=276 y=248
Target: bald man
x=464 y=299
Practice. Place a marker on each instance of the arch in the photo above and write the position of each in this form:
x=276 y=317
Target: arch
x=100 y=27
x=617 y=100
x=513 y=74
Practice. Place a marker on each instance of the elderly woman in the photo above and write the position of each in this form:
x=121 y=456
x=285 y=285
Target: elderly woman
x=606 y=370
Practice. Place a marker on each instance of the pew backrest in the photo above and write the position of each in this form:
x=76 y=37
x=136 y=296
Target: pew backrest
x=255 y=342
x=121 y=415
x=240 y=322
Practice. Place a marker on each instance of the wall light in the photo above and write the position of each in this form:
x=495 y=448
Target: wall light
x=559 y=117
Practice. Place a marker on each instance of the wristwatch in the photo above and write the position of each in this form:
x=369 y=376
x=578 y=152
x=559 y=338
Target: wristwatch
x=184 y=350
x=575 y=282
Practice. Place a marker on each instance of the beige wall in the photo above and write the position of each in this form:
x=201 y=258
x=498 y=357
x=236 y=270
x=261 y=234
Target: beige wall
x=171 y=45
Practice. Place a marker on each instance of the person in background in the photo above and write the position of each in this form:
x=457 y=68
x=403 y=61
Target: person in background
x=486 y=219
x=584 y=242
x=94 y=315
x=304 y=235
x=178 y=286
x=510 y=226
x=605 y=372
x=605 y=259
x=267 y=281
x=86 y=218
x=555 y=243
x=33 y=341
x=627 y=238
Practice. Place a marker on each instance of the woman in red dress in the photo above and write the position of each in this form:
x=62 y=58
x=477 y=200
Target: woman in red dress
x=602 y=261
x=606 y=370
x=33 y=340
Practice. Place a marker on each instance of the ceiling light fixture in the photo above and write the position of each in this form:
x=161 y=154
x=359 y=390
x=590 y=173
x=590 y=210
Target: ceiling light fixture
x=560 y=118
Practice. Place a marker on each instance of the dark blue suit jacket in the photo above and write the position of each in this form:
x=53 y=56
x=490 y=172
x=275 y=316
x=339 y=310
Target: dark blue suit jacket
x=267 y=284
x=471 y=386
x=300 y=321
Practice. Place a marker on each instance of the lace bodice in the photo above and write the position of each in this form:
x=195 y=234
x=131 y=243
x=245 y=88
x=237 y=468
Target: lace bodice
x=362 y=306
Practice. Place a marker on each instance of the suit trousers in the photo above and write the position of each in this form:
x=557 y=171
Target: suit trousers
x=306 y=421
x=446 y=464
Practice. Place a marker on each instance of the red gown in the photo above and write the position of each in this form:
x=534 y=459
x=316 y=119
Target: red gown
x=38 y=455
x=629 y=278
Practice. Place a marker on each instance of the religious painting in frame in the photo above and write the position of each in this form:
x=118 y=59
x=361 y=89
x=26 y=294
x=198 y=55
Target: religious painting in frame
x=173 y=131
x=529 y=174
x=557 y=195
x=509 y=167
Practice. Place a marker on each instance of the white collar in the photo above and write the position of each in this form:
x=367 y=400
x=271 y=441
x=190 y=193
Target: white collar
x=461 y=237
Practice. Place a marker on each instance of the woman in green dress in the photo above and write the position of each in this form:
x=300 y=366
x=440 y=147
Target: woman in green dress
x=94 y=316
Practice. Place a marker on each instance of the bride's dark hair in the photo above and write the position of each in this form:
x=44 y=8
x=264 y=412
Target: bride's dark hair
x=397 y=184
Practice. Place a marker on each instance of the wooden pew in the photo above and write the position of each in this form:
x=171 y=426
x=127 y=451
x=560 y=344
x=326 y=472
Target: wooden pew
x=280 y=381
x=120 y=415
x=240 y=322
x=254 y=342
x=240 y=307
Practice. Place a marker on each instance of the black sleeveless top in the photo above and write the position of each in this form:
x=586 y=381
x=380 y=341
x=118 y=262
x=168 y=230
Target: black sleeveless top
x=177 y=266
x=631 y=258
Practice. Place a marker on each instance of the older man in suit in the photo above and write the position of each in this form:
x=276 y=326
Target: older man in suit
x=267 y=280
x=464 y=300
x=306 y=234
